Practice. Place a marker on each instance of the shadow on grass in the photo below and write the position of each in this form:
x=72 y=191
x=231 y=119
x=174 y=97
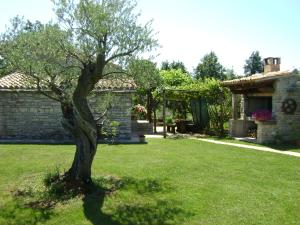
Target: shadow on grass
x=92 y=208
x=36 y=206
x=21 y=210
x=152 y=211
x=158 y=212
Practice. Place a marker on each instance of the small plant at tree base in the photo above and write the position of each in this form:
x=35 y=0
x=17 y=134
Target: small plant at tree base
x=51 y=176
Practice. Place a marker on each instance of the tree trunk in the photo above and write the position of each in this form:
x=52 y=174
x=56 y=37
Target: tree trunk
x=149 y=106
x=155 y=121
x=79 y=120
x=84 y=132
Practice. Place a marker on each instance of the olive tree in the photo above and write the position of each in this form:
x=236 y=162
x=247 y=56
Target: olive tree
x=69 y=58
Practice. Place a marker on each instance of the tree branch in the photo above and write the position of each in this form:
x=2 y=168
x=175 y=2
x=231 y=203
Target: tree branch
x=72 y=54
x=44 y=92
x=129 y=52
x=102 y=115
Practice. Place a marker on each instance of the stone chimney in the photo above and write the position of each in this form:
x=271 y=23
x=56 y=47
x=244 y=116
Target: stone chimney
x=271 y=64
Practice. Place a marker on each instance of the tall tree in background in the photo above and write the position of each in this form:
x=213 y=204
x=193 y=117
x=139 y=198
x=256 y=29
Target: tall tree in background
x=230 y=74
x=209 y=67
x=165 y=65
x=254 y=64
x=2 y=67
x=70 y=57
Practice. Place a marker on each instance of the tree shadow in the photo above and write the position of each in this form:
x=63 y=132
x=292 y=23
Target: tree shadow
x=92 y=208
x=36 y=206
x=152 y=211
x=21 y=210
x=158 y=212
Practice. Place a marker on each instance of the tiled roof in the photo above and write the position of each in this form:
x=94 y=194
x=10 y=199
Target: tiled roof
x=24 y=82
x=17 y=81
x=115 y=84
x=257 y=78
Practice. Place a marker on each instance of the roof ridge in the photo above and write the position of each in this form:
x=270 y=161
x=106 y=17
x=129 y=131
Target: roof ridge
x=21 y=81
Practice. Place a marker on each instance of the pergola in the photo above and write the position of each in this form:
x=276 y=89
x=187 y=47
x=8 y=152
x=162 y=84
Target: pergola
x=165 y=99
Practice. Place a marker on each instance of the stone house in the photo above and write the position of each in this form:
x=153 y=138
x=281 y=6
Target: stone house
x=25 y=114
x=274 y=90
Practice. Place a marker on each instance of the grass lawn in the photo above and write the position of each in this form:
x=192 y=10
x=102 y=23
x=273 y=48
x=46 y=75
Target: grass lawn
x=165 y=182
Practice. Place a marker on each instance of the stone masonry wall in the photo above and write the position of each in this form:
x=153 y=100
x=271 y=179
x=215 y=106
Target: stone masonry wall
x=30 y=115
x=120 y=111
x=287 y=125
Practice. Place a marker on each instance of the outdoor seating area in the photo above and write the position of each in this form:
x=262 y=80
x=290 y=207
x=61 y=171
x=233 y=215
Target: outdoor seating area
x=266 y=105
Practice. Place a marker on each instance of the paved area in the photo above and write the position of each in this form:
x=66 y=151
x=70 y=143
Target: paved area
x=258 y=148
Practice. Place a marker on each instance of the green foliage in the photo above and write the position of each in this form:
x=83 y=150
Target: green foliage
x=51 y=176
x=254 y=64
x=230 y=74
x=174 y=78
x=40 y=55
x=110 y=130
x=209 y=67
x=145 y=74
x=217 y=97
x=91 y=33
x=169 y=120
x=175 y=65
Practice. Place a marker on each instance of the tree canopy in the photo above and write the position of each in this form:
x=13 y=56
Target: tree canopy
x=173 y=78
x=254 y=64
x=209 y=67
x=166 y=65
x=145 y=73
x=71 y=56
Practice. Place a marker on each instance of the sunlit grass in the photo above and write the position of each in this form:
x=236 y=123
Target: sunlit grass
x=165 y=182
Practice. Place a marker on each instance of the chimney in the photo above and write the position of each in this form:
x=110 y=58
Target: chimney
x=271 y=64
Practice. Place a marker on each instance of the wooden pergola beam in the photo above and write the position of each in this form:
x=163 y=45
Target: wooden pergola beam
x=164 y=114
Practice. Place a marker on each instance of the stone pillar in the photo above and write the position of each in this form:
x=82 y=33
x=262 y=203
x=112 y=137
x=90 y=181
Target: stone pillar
x=244 y=109
x=235 y=106
x=244 y=106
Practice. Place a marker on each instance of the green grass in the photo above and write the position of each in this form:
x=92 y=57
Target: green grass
x=183 y=181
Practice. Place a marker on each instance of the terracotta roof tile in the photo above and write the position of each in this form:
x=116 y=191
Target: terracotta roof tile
x=257 y=78
x=24 y=82
x=16 y=81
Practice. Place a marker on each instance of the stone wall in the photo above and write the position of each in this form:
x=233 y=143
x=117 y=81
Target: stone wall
x=30 y=115
x=284 y=127
x=287 y=125
x=120 y=111
x=265 y=131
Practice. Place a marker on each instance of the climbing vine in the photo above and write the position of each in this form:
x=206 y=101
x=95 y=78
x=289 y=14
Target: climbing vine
x=217 y=97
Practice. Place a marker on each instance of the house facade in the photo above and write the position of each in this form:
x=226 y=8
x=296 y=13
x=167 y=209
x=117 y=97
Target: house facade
x=26 y=114
x=274 y=91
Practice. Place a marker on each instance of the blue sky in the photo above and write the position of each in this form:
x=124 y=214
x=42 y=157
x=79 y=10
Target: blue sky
x=188 y=29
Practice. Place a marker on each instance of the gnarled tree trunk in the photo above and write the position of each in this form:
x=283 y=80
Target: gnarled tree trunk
x=79 y=120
